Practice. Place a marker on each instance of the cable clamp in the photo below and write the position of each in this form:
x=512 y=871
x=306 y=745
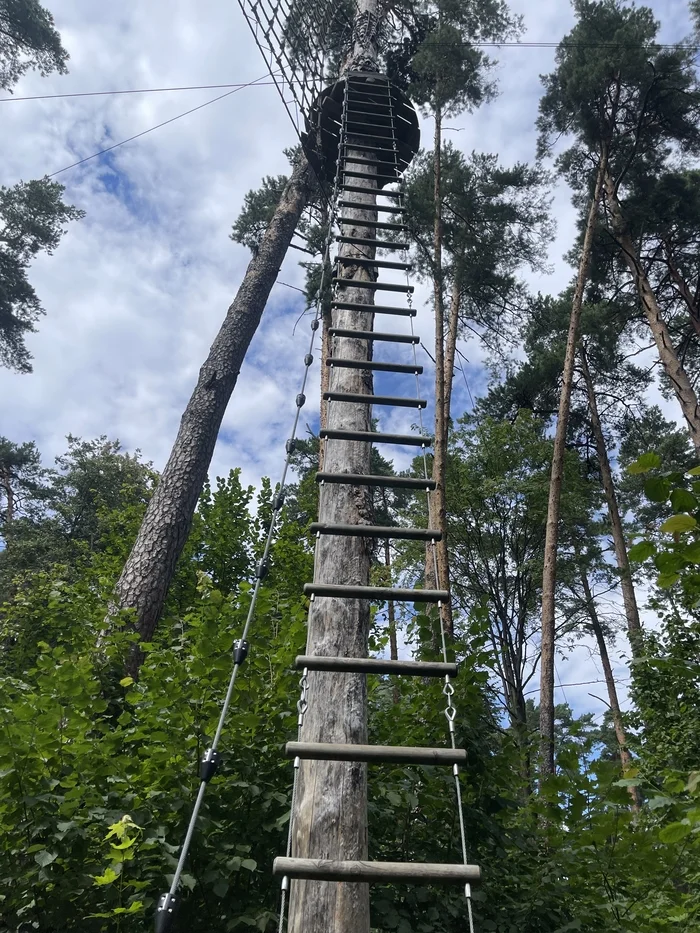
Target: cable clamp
x=208 y=765
x=240 y=652
x=301 y=399
x=164 y=912
x=263 y=570
x=308 y=359
x=291 y=445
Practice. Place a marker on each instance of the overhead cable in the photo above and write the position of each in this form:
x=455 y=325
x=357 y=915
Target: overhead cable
x=158 y=126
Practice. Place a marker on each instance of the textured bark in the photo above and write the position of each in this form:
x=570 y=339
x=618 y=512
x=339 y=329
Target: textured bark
x=145 y=579
x=549 y=575
x=683 y=289
x=634 y=625
x=451 y=349
x=619 y=726
x=682 y=387
x=330 y=818
x=6 y=482
x=439 y=504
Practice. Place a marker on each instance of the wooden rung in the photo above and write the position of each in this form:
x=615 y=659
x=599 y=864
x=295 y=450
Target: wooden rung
x=375 y=365
x=379 y=224
x=376 y=309
x=336 y=751
x=375 y=666
x=375 y=399
x=384 y=593
x=378 y=437
x=373 y=286
x=379 y=263
x=372 y=241
x=386 y=208
x=360 y=190
x=380 y=872
x=372 y=335
x=368 y=479
x=376 y=531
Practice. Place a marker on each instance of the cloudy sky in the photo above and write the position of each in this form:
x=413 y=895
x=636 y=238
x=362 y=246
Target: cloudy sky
x=137 y=290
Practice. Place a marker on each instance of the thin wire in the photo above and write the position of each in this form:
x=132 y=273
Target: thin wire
x=138 y=90
x=249 y=619
x=158 y=126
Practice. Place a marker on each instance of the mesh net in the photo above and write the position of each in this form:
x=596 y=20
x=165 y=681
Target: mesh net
x=303 y=43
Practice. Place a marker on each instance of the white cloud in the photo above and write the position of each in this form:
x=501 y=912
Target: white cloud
x=137 y=291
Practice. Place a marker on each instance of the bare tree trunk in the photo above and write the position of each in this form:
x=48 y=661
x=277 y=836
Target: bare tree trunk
x=451 y=348
x=549 y=575
x=634 y=625
x=330 y=817
x=619 y=726
x=684 y=291
x=682 y=387
x=440 y=445
x=10 y=497
x=145 y=579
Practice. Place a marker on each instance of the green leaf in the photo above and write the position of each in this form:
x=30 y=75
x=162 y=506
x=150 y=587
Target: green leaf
x=667 y=580
x=221 y=888
x=45 y=858
x=249 y=864
x=694 y=472
x=648 y=461
x=126 y=681
x=683 y=501
x=657 y=488
x=642 y=551
x=674 y=832
x=692 y=552
x=108 y=877
x=678 y=524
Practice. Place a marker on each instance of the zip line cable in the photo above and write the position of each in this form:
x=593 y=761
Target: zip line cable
x=210 y=760
x=213 y=87
x=186 y=113
x=138 y=90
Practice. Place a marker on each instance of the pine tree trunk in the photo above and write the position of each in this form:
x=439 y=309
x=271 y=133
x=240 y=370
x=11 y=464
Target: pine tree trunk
x=682 y=387
x=619 y=726
x=451 y=348
x=549 y=575
x=149 y=569
x=330 y=817
x=684 y=290
x=634 y=626
x=439 y=517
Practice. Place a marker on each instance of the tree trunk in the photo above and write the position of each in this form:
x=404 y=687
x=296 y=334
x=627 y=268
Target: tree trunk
x=439 y=517
x=625 y=757
x=673 y=368
x=683 y=290
x=451 y=349
x=330 y=820
x=634 y=626
x=549 y=575
x=147 y=574
x=10 y=497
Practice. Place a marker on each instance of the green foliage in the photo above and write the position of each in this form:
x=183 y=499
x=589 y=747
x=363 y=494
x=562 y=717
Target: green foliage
x=28 y=40
x=32 y=219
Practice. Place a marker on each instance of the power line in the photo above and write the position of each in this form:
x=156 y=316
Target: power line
x=140 y=90
x=158 y=126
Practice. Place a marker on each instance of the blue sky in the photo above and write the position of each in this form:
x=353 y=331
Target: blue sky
x=136 y=291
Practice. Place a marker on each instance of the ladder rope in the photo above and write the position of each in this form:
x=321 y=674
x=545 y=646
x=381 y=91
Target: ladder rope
x=210 y=760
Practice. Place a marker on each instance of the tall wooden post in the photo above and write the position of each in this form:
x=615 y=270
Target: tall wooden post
x=330 y=819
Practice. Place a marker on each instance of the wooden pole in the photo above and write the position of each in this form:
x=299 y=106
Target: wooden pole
x=330 y=817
